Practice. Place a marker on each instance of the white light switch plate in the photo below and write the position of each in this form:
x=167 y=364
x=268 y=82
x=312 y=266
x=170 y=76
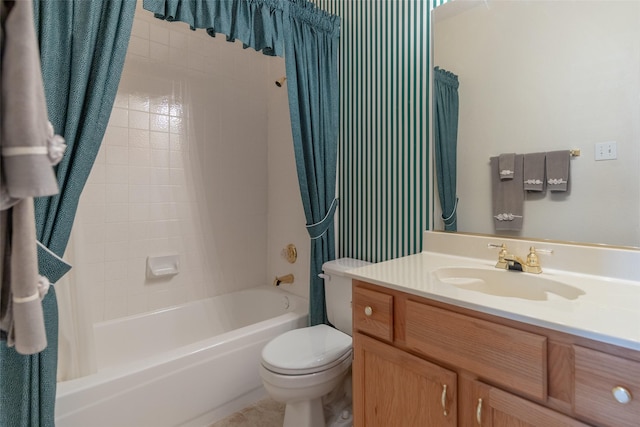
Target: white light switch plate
x=606 y=150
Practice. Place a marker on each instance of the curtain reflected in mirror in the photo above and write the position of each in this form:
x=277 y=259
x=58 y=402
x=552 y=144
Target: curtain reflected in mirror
x=445 y=137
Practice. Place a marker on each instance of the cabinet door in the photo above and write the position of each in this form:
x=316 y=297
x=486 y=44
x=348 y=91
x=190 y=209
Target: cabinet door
x=396 y=389
x=490 y=406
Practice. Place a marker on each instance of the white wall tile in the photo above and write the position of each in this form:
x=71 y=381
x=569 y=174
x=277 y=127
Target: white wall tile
x=98 y=175
x=138 y=46
x=119 y=117
x=116 y=232
x=177 y=57
x=159 y=158
x=177 y=109
x=93 y=253
x=139 y=194
x=159 y=175
x=139 y=175
x=159 y=122
x=138 y=211
x=115 y=251
x=90 y=213
x=115 y=271
x=116 y=174
x=122 y=100
x=137 y=230
x=159 y=52
x=139 y=156
x=117 y=155
x=93 y=233
x=136 y=303
x=140 y=29
x=176 y=125
x=139 y=102
x=178 y=142
x=159 y=140
x=117 y=194
x=101 y=157
x=178 y=40
x=138 y=120
x=159 y=34
x=159 y=104
x=116 y=136
x=116 y=212
x=115 y=307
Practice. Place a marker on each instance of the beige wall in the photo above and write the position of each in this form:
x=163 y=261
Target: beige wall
x=544 y=76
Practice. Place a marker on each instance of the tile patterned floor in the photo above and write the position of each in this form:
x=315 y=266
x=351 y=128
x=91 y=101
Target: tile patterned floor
x=265 y=413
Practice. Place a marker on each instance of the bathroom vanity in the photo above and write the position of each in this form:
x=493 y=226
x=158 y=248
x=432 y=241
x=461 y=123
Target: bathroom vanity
x=431 y=351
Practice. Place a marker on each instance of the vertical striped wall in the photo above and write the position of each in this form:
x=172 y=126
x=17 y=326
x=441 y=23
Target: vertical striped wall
x=383 y=171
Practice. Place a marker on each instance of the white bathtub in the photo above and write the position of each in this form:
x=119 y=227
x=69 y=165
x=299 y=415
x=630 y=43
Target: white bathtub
x=187 y=365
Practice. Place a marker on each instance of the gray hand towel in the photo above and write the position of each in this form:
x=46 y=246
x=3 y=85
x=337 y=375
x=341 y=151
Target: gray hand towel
x=558 y=170
x=534 y=171
x=508 y=196
x=506 y=166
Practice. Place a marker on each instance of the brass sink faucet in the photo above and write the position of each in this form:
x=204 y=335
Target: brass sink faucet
x=513 y=262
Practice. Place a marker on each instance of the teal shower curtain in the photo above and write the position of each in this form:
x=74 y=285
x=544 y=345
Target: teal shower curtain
x=308 y=37
x=311 y=58
x=445 y=123
x=82 y=49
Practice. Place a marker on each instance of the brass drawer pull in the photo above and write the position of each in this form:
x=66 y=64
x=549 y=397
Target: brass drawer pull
x=621 y=394
x=479 y=412
x=443 y=400
x=368 y=311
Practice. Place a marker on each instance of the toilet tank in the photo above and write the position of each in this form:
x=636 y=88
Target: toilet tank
x=337 y=290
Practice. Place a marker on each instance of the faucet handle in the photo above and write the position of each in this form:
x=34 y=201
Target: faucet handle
x=502 y=247
x=533 y=263
x=541 y=251
x=501 y=255
x=495 y=245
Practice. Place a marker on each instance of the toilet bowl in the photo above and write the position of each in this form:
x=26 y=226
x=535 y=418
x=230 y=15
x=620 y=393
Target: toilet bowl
x=301 y=378
x=302 y=366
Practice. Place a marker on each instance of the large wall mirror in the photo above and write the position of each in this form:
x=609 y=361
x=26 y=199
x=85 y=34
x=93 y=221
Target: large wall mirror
x=540 y=76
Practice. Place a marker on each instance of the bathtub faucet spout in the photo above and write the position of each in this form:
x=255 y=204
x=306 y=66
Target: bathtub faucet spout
x=283 y=279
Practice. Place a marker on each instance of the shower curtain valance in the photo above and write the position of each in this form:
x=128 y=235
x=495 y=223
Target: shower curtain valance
x=258 y=24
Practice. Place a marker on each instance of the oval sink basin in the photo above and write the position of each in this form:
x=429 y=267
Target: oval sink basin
x=505 y=283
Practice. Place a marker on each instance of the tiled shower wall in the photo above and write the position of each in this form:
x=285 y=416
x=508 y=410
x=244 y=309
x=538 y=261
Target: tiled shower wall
x=183 y=169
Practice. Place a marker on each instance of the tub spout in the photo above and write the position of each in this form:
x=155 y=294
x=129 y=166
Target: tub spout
x=283 y=279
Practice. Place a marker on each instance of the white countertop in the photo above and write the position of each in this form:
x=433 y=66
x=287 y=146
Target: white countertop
x=608 y=311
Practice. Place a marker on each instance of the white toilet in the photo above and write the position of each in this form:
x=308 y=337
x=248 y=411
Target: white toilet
x=301 y=366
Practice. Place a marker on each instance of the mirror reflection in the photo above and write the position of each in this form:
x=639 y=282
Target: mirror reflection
x=543 y=76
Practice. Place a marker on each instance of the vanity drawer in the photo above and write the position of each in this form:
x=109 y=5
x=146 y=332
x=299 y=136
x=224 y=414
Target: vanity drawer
x=596 y=376
x=499 y=354
x=373 y=313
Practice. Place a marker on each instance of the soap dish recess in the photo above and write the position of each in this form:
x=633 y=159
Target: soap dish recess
x=162 y=266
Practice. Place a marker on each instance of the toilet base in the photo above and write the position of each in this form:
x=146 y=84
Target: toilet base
x=305 y=413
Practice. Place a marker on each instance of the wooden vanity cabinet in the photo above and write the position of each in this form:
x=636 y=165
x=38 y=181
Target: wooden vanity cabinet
x=396 y=389
x=419 y=362
x=485 y=405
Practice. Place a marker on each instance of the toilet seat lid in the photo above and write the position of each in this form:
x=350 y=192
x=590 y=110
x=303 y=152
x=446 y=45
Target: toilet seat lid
x=306 y=350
